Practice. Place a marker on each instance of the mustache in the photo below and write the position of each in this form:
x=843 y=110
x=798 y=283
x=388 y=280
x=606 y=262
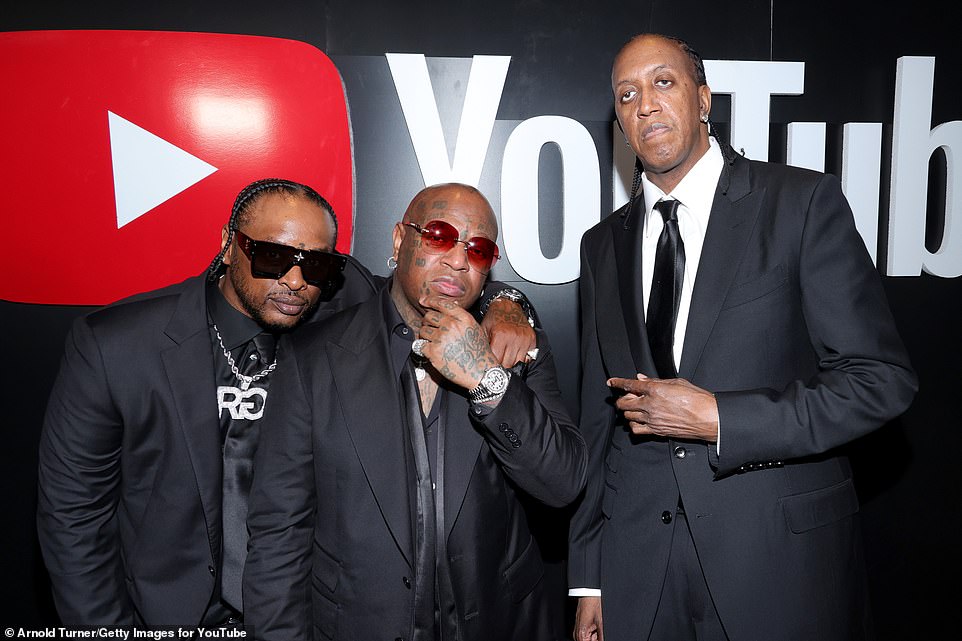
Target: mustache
x=289 y=298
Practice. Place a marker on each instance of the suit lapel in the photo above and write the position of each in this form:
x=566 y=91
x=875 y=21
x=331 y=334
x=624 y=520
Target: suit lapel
x=193 y=391
x=371 y=404
x=734 y=211
x=460 y=450
x=625 y=325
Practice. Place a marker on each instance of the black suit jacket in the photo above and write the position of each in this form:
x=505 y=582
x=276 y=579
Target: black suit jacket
x=332 y=505
x=129 y=511
x=130 y=462
x=790 y=328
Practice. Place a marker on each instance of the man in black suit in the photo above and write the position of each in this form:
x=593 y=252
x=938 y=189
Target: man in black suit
x=386 y=499
x=148 y=440
x=730 y=345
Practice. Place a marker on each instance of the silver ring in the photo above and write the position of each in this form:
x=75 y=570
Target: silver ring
x=533 y=353
x=418 y=346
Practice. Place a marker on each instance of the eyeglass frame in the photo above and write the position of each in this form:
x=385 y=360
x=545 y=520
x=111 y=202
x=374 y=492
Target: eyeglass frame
x=334 y=261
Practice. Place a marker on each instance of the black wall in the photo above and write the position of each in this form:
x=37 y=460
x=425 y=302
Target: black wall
x=561 y=52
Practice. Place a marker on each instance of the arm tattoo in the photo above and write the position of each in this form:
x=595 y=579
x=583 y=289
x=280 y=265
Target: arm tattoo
x=508 y=314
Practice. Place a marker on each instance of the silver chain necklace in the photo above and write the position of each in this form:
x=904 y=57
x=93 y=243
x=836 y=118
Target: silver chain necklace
x=243 y=378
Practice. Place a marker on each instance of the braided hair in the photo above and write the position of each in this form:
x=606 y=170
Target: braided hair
x=242 y=211
x=727 y=152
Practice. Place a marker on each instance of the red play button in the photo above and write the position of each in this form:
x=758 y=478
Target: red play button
x=125 y=150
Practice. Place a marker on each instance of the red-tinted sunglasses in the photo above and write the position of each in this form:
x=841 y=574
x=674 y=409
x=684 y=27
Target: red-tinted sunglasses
x=438 y=237
x=272 y=260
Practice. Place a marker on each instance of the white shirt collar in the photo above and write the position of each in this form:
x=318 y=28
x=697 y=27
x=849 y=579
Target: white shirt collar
x=696 y=191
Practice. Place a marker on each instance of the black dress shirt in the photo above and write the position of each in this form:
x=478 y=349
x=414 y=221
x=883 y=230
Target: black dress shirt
x=239 y=412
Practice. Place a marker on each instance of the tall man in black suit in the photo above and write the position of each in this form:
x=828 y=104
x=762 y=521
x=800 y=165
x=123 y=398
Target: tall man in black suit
x=717 y=503
x=386 y=499
x=148 y=440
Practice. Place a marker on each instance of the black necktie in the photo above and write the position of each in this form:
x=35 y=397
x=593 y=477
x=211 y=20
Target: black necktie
x=265 y=344
x=665 y=296
x=239 y=448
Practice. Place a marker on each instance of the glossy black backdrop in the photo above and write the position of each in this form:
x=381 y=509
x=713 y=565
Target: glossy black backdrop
x=908 y=473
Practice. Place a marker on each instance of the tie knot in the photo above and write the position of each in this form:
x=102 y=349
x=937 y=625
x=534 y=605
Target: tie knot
x=667 y=209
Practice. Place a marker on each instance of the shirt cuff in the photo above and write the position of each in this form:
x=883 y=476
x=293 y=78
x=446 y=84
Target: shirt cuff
x=584 y=592
x=718 y=439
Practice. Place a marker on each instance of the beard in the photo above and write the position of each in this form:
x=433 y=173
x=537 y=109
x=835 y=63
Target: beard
x=255 y=304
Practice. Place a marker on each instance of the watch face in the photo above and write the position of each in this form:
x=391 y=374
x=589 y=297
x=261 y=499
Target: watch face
x=495 y=380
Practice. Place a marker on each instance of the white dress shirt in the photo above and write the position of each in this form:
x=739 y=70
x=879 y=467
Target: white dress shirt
x=695 y=194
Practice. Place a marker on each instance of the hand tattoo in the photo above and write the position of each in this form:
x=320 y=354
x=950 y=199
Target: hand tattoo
x=470 y=352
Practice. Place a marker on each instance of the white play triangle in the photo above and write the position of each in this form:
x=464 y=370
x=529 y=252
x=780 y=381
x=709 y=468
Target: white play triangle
x=147 y=169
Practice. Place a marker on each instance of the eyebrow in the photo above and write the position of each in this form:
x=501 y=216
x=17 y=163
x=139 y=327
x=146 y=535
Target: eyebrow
x=661 y=67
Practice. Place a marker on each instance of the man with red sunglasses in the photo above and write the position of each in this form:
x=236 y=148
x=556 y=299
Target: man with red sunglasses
x=147 y=447
x=398 y=452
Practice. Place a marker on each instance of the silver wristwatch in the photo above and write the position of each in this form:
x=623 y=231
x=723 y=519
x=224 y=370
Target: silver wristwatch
x=493 y=385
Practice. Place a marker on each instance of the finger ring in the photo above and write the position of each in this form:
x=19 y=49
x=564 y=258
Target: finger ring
x=418 y=346
x=533 y=353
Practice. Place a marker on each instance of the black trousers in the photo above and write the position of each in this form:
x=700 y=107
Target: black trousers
x=686 y=611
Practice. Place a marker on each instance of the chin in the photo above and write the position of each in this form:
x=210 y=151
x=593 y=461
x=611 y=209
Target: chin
x=662 y=157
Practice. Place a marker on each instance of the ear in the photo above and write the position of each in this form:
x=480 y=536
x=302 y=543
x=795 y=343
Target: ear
x=224 y=236
x=704 y=99
x=398 y=235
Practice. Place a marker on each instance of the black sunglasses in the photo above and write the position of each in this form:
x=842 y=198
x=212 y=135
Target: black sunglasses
x=438 y=237
x=272 y=260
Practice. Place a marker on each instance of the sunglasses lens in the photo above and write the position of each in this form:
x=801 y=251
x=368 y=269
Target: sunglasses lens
x=272 y=261
x=482 y=252
x=439 y=236
x=320 y=267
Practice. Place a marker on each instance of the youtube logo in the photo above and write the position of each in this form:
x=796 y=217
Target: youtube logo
x=125 y=151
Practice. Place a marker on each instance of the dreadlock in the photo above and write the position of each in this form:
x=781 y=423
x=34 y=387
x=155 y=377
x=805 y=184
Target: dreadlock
x=242 y=211
x=698 y=68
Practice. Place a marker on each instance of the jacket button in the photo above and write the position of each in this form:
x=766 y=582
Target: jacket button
x=210 y=568
x=503 y=427
x=666 y=517
x=680 y=452
x=407 y=582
